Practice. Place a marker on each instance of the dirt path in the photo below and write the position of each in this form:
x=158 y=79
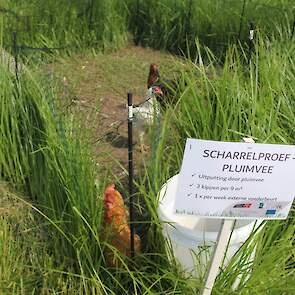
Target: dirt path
x=99 y=85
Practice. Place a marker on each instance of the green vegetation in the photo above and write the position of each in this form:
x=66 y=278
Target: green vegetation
x=242 y=99
x=81 y=24
x=41 y=157
x=175 y=25
x=167 y=24
x=51 y=189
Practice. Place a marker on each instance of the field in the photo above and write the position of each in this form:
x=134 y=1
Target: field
x=65 y=73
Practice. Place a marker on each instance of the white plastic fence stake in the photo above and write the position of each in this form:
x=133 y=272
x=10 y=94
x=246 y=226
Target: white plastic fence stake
x=218 y=254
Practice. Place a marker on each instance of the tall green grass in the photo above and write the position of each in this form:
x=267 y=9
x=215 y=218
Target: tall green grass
x=44 y=158
x=167 y=24
x=242 y=98
x=175 y=25
x=65 y=25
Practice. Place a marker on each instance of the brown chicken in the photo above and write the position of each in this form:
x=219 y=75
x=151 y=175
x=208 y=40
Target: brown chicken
x=154 y=75
x=168 y=88
x=116 y=226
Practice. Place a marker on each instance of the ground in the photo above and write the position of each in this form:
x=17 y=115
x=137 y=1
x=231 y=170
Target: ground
x=98 y=86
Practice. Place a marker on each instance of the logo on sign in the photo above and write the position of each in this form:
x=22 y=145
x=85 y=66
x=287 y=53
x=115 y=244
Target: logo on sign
x=243 y=205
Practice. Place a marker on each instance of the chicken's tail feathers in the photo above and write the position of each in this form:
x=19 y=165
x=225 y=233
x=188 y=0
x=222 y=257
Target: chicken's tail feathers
x=154 y=75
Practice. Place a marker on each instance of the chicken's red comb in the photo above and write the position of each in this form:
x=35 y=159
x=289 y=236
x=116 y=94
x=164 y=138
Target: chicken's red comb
x=110 y=188
x=158 y=90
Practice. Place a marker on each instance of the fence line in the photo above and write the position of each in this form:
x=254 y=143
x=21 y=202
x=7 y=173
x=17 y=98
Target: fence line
x=241 y=18
x=45 y=49
x=89 y=7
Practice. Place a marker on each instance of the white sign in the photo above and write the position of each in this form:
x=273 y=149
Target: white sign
x=236 y=180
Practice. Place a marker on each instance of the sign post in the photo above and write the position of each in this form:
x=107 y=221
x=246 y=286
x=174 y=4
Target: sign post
x=231 y=180
x=218 y=254
x=15 y=52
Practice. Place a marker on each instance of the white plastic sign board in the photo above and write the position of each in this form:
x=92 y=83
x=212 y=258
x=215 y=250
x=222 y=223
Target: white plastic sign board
x=236 y=180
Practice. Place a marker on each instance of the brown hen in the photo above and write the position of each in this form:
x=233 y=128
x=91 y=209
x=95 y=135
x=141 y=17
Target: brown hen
x=154 y=76
x=116 y=226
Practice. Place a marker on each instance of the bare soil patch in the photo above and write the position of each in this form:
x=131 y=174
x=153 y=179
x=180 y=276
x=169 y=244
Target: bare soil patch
x=98 y=86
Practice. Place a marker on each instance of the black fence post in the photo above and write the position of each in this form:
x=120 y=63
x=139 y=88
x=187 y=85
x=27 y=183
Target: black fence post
x=241 y=19
x=251 y=38
x=91 y=15
x=130 y=173
x=137 y=31
x=189 y=15
x=293 y=27
x=15 y=53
